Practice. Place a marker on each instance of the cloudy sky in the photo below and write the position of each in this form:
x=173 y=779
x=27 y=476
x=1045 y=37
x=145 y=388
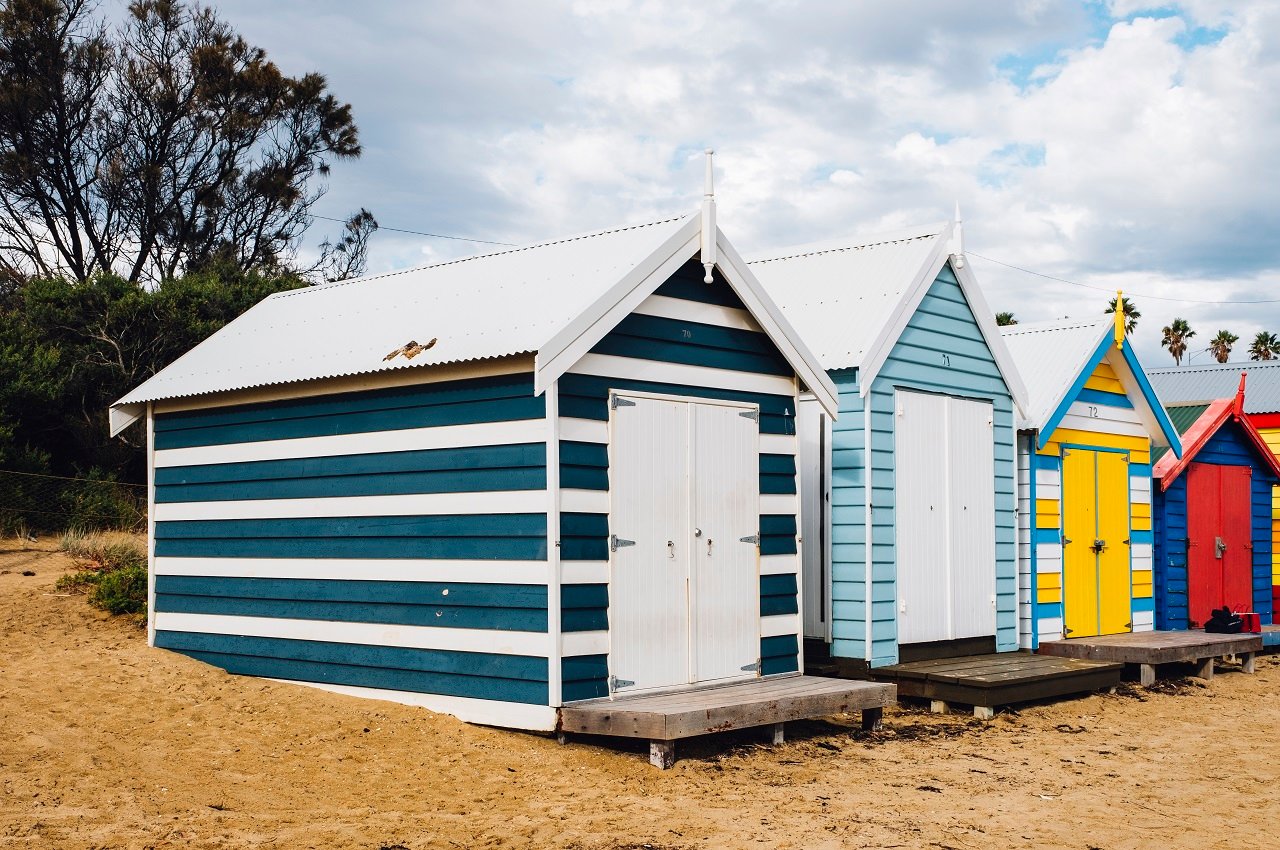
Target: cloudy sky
x=1115 y=144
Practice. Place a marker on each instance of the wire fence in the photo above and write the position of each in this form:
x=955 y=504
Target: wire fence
x=30 y=502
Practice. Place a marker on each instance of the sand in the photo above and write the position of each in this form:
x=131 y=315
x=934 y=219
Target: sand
x=107 y=743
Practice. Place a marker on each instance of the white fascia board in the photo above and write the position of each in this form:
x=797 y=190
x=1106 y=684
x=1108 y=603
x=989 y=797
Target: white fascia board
x=902 y=313
x=564 y=349
x=991 y=333
x=121 y=416
x=771 y=320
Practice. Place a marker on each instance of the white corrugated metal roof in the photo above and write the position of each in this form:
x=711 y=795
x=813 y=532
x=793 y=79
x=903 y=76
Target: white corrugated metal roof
x=1050 y=356
x=841 y=295
x=481 y=307
x=1202 y=384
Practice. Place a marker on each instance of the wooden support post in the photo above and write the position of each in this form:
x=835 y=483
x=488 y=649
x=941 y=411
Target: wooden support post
x=662 y=754
x=1147 y=675
x=562 y=737
x=779 y=733
x=1204 y=668
x=938 y=706
x=1246 y=662
x=984 y=712
x=872 y=719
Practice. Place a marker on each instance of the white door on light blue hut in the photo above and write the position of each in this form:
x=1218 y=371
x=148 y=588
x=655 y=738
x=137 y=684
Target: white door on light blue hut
x=945 y=517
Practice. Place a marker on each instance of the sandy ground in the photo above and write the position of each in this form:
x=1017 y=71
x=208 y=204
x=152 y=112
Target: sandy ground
x=106 y=743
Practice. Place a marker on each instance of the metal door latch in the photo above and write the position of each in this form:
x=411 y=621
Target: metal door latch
x=1098 y=545
x=1220 y=547
x=616 y=543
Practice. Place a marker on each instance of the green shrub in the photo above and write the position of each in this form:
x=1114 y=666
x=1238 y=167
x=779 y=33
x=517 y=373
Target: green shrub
x=111 y=568
x=122 y=591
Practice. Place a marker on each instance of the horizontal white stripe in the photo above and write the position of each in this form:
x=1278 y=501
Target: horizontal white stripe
x=1139 y=484
x=1047 y=478
x=418 y=504
x=696 y=311
x=780 y=624
x=365 y=634
x=1051 y=628
x=584 y=643
x=584 y=572
x=584 y=501
x=1141 y=550
x=1100 y=413
x=340 y=569
x=633 y=369
x=1103 y=426
x=1141 y=563
x=778 y=503
x=1143 y=621
x=583 y=430
x=1048 y=491
x=408 y=439
x=487 y=712
x=777 y=565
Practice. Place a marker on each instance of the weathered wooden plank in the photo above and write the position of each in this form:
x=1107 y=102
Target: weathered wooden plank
x=1154 y=647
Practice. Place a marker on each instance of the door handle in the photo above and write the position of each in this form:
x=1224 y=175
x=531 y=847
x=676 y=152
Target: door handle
x=709 y=541
x=1219 y=547
x=671 y=549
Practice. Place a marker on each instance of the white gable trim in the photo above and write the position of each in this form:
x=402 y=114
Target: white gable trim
x=573 y=343
x=991 y=333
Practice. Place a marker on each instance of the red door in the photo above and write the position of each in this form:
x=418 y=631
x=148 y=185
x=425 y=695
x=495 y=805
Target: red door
x=1219 y=540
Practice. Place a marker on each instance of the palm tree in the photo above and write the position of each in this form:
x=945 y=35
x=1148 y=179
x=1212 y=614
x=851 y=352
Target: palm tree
x=1176 y=334
x=1220 y=345
x=1265 y=346
x=1005 y=319
x=1131 y=314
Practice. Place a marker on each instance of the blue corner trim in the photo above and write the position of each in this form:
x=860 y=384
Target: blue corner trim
x=1070 y=396
x=1153 y=401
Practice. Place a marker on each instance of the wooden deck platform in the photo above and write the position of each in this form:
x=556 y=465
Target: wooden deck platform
x=666 y=717
x=988 y=681
x=1271 y=636
x=1151 y=649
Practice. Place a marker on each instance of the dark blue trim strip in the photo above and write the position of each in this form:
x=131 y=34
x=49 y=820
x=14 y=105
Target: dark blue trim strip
x=778 y=595
x=679 y=341
x=441 y=525
x=1053 y=462
x=1102 y=397
x=430 y=593
x=584 y=466
x=584 y=677
x=584 y=537
x=779 y=654
x=1049 y=610
x=587 y=397
x=1047 y=535
x=778 y=534
x=584 y=607
x=687 y=284
x=1141 y=537
x=429 y=548
x=1144 y=604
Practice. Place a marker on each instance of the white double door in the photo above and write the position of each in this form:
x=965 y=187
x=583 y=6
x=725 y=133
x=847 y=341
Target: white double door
x=684 y=587
x=945 y=510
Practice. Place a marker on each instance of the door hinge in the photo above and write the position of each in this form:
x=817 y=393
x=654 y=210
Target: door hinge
x=751 y=667
x=616 y=401
x=1067 y=631
x=753 y=415
x=615 y=683
x=1129 y=626
x=1066 y=540
x=616 y=543
x=753 y=539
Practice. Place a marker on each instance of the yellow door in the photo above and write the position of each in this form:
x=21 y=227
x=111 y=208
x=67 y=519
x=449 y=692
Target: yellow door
x=1115 y=592
x=1095 y=530
x=1079 y=525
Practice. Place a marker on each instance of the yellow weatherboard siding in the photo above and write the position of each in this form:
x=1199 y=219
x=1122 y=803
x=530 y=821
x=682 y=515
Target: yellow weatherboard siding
x=1104 y=378
x=1272 y=438
x=1049 y=588
x=1139 y=448
x=1142 y=586
x=1047 y=513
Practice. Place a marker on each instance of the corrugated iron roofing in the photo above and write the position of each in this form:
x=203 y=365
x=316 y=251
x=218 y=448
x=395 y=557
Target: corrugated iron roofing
x=1049 y=356
x=1183 y=416
x=840 y=295
x=477 y=308
x=1203 y=384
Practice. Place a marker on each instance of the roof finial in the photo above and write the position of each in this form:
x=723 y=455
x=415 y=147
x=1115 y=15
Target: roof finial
x=709 y=220
x=957 y=238
x=1239 y=405
x=1120 y=319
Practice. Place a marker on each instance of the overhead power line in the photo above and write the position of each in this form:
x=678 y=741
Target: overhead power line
x=1112 y=289
x=423 y=233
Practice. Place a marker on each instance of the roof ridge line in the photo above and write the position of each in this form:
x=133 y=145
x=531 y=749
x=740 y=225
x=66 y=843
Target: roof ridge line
x=458 y=260
x=842 y=248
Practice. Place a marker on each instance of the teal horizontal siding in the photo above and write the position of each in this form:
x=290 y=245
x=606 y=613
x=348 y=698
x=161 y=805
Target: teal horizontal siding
x=694 y=344
x=584 y=607
x=495 y=399
x=465 y=537
x=778 y=534
x=587 y=397
x=779 y=654
x=584 y=537
x=584 y=677
x=584 y=466
x=687 y=284
x=470 y=606
x=778 y=595
x=778 y=474
x=510 y=678
x=477 y=469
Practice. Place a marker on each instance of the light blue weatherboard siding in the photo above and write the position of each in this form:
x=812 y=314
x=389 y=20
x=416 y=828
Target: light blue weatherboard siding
x=1228 y=447
x=679 y=341
x=943 y=324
